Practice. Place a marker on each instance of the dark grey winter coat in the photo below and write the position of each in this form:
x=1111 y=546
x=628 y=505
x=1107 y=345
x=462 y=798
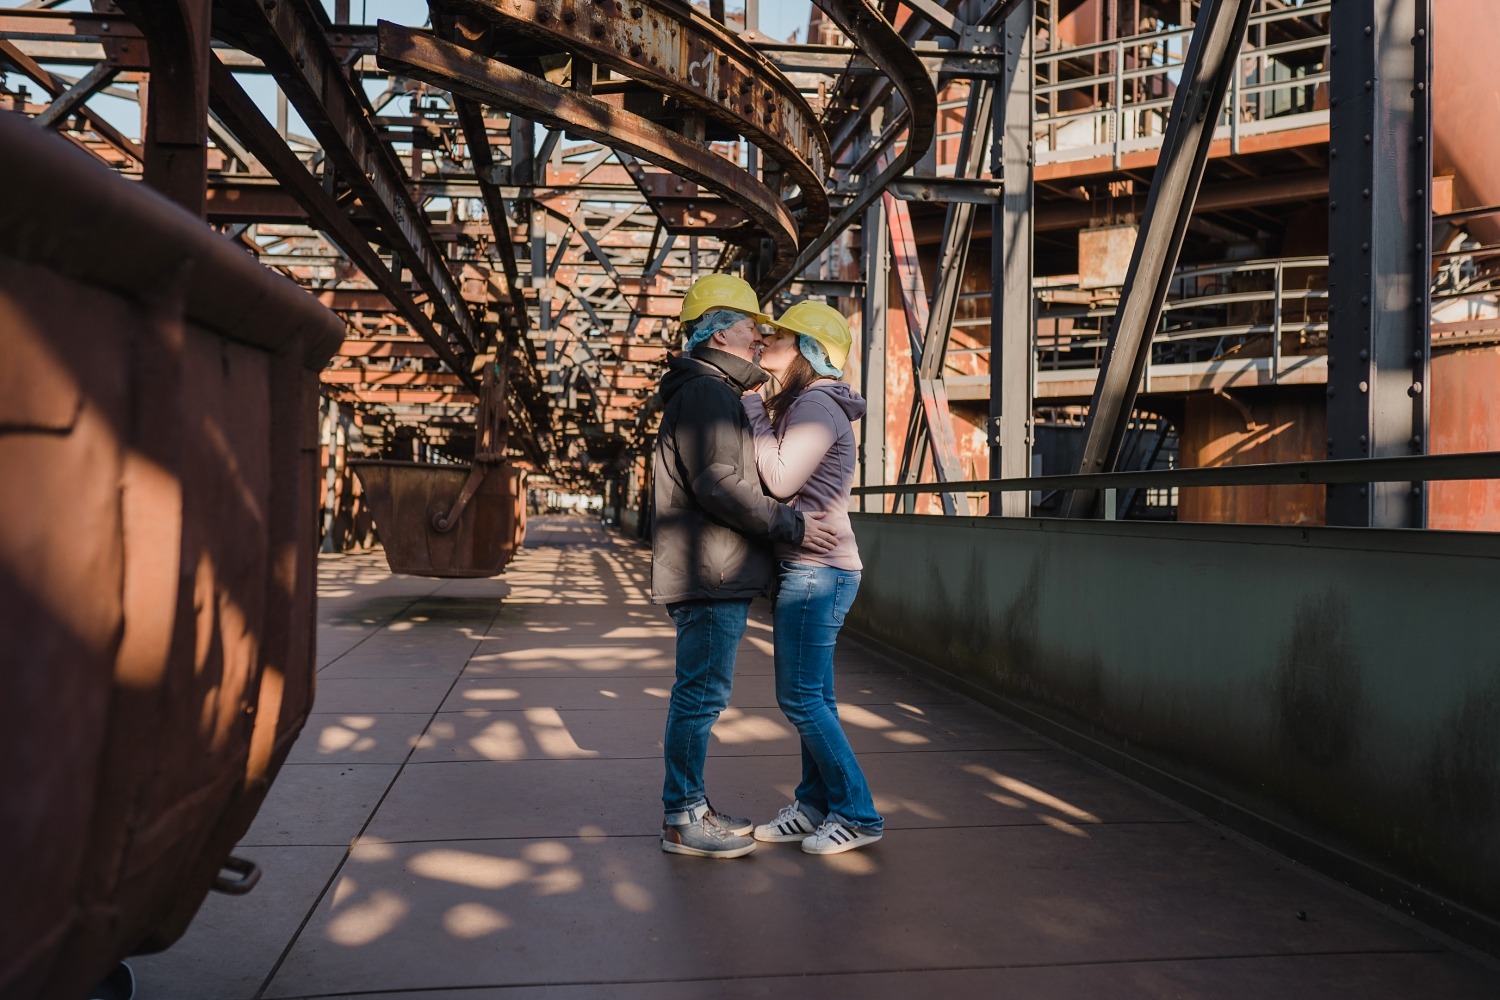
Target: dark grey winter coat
x=712 y=524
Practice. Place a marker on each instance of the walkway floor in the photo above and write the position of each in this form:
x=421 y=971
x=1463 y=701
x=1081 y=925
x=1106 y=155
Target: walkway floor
x=472 y=813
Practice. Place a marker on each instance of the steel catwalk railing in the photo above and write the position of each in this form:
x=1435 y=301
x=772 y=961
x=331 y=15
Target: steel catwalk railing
x=1415 y=468
x=1202 y=289
x=1254 y=105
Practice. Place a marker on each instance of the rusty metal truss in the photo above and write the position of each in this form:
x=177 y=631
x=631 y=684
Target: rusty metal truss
x=541 y=178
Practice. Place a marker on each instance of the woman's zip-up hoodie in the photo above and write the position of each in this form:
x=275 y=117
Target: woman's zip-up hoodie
x=809 y=460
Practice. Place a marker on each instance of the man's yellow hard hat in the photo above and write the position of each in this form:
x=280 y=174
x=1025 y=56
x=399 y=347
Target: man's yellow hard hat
x=721 y=291
x=822 y=323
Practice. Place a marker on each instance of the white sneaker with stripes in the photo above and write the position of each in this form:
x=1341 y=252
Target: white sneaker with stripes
x=790 y=824
x=833 y=837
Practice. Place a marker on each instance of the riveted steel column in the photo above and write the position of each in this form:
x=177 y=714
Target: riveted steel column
x=1012 y=321
x=1379 y=214
x=1211 y=60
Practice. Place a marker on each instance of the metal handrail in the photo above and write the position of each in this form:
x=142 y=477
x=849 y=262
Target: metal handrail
x=1330 y=472
x=1162 y=61
x=1279 y=295
x=1184 y=33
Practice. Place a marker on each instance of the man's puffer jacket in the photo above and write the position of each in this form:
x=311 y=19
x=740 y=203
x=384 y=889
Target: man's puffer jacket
x=712 y=524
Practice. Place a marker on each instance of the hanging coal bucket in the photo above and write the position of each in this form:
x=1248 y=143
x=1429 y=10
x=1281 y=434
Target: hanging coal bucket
x=453 y=520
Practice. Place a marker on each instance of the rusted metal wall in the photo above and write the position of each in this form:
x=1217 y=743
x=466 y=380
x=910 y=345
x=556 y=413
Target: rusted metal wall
x=158 y=436
x=1465 y=36
x=1334 y=690
x=1281 y=425
x=1287 y=425
x=1465 y=417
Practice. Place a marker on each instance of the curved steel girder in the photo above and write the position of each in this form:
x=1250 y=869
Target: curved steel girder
x=422 y=56
x=874 y=36
x=692 y=59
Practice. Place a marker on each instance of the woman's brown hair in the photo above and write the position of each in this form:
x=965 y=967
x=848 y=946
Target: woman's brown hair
x=799 y=375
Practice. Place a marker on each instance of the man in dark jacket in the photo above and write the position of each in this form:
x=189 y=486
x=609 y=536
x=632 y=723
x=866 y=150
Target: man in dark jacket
x=711 y=551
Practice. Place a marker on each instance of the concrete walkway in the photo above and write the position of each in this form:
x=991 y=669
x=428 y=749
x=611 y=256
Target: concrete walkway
x=473 y=810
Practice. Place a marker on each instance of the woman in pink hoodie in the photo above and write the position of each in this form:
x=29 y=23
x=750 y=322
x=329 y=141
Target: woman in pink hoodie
x=805 y=453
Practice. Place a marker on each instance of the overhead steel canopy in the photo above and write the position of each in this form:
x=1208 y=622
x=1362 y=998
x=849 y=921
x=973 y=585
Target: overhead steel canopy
x=541 y=177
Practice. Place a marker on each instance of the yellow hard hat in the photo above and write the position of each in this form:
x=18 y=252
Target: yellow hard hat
x=721 y=291
x=822 y=323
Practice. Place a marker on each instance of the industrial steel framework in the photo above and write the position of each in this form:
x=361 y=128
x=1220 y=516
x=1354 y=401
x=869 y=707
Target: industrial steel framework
x=533 y=183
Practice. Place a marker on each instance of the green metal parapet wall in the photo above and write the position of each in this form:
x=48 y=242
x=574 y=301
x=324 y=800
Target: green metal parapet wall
x=1332 y=691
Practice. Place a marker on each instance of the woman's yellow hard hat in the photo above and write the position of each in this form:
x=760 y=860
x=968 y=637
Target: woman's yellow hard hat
x=822 y=323
x=721 y=291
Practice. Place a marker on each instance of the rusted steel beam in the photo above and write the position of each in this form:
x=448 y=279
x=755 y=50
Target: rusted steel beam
x=10 y=53
x=693 y=60
x=292 y=42
x=422 y=56
x=230 y=199
x=72 y=99
x=383 y=379
x=124 y=47
x=471 y=120
x=1212 y=60
x=410 y=396
x=245 y=120
x=684 y=209
x=482 y=159
x=177 y=39
x=873 y=35
x=354 y=347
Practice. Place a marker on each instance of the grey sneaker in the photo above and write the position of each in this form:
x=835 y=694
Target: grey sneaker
x=704 y=837
x=790 y=824
x=735 y=825
x=833 y=837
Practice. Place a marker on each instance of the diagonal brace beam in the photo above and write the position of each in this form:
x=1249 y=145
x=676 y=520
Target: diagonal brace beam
x=1212 y=58
x=288 y=37
x=241 y=115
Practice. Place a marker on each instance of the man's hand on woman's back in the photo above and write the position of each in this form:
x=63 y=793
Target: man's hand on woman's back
x=816 y=534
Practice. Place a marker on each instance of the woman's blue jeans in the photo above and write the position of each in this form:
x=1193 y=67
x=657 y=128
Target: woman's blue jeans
x=810 y=608
x=708 y=634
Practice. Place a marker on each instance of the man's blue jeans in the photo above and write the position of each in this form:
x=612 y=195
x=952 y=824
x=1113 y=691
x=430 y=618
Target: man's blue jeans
x=708 y=634
x=810 y=608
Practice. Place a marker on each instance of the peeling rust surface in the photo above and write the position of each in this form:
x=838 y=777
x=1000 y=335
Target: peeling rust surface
x=157 y=529
x=406 y=496
x=423 y=56
x=690 y=58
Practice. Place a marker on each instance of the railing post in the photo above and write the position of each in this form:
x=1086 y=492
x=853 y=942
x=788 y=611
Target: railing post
x=1277 y=304
x=1234 y=105
x=1119 y=113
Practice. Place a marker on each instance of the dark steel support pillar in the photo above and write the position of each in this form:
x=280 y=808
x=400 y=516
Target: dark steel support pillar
x=1012 y=303
x=1212 y=57
x=877 y=263
x=1379 y=218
